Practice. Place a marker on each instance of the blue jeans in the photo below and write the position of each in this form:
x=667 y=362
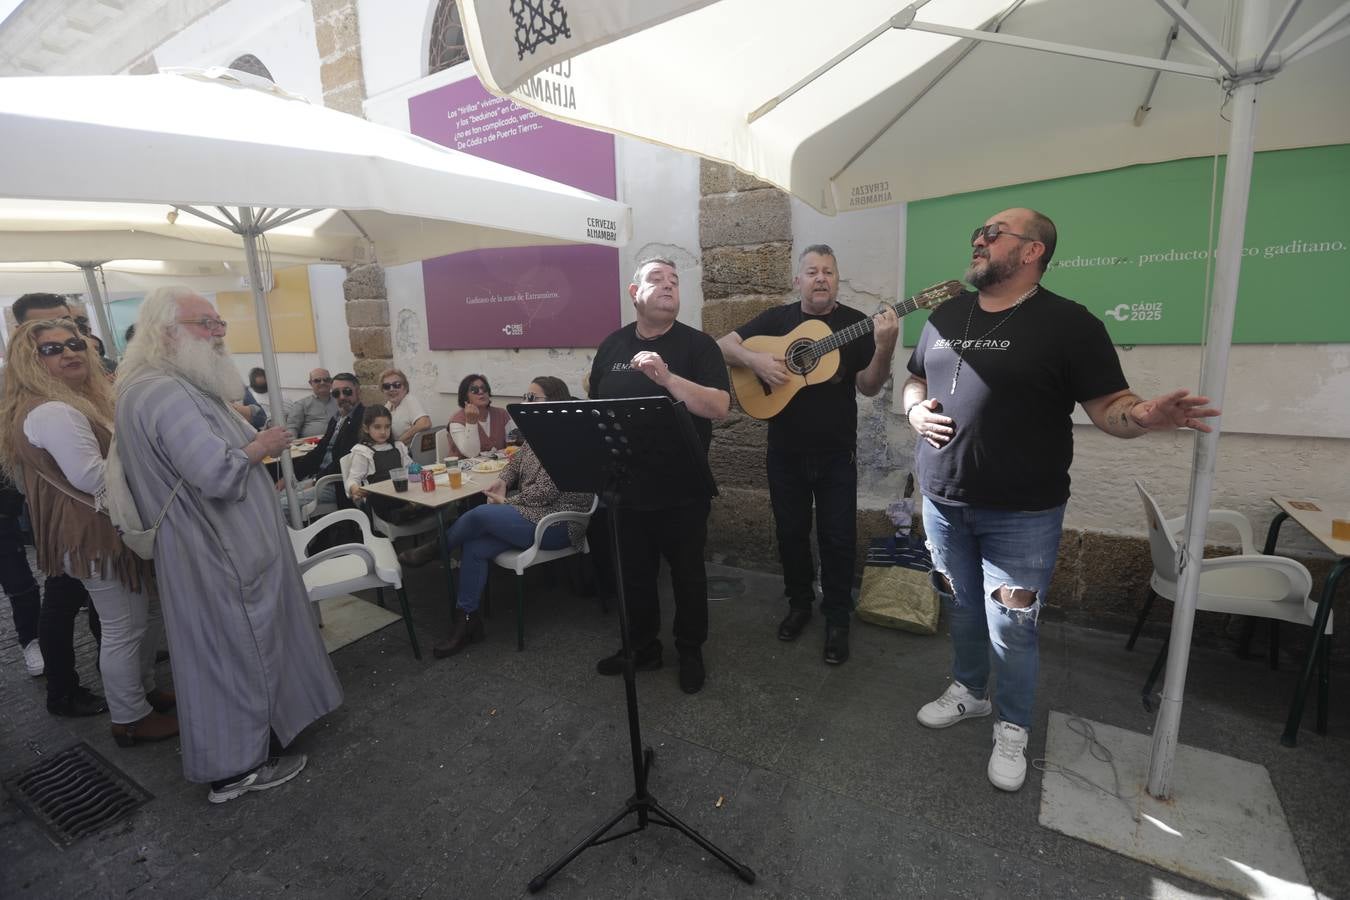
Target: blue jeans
x=482 y=533
x=16 y=579
x=829 y=481
x=981 y=550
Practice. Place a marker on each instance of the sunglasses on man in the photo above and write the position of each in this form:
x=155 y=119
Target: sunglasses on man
x=56 y=348
x=991 y=233
x=321 y=381
x=343 y=392
x=392 y=386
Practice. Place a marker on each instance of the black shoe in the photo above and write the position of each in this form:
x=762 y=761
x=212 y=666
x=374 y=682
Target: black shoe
x=791 y=627
x=836 y=644
x=645 y=659
x=78 y=703
x=692 y=674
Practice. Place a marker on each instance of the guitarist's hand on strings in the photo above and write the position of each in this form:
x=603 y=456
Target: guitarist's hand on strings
x=770 y=369
x=925 y=418
x=886 y=330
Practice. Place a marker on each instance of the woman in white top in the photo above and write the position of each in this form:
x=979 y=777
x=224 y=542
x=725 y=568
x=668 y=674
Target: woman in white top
x=477 y=426
x=56 y=416
x=410 y=418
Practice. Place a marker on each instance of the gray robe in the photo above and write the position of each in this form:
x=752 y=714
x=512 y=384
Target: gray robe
x=247 y=653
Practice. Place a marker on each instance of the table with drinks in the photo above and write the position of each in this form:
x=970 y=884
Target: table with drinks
x=439 y=488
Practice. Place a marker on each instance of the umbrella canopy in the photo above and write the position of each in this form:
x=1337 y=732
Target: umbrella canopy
x=861 y=105
x=846 y=111
x=122 y=276
x=217 y=139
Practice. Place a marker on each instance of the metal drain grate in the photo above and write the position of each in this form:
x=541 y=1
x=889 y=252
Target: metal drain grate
x=75 y=793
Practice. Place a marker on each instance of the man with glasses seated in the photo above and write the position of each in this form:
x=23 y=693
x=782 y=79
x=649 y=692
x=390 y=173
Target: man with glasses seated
x=340 y=436
x=309 y=417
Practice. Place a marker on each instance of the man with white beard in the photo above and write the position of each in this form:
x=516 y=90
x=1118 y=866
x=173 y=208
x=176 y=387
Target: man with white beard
x=249 y=665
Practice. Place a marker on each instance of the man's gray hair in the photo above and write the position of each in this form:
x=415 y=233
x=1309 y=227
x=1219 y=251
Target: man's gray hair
x=819 y=250
x=650 y=261
x=156 y=328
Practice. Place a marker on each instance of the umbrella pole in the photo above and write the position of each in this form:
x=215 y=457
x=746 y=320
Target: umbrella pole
x=1213 y=375
x=96 y=300
x=249 y=231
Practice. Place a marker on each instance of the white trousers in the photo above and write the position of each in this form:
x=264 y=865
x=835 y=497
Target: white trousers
x=130 y=641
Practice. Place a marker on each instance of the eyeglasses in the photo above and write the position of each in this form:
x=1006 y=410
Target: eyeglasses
x=210 y=323
x=321 y=381
x=478 y=389
x=82 y=323
x=56 y=348
x=533 y=398
x=392 y=386
x=343 y=392
x=991 y=233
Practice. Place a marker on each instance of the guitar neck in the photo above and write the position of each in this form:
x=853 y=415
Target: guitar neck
x=859 y=329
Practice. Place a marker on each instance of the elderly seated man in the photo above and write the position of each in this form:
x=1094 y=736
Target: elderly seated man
x=309 y=417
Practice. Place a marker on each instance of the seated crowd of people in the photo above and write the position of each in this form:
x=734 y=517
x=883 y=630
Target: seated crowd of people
x=250 y=670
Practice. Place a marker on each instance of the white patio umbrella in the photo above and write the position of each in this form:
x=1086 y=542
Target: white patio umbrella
x=865 y=103
x=256 y=163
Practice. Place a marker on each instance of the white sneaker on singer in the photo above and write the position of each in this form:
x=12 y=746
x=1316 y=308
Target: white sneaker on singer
x=955 y=704
x=1008 y=762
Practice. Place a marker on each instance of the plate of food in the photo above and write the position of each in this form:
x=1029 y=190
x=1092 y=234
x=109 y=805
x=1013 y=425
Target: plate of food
x=434 y=468
x=490 y=465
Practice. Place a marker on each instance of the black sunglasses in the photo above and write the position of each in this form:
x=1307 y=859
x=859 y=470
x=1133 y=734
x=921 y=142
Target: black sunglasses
x=343 y=392
x=991 y=233
x=321 y=381
x=478 y=389
x=56 y=348
x=392 y=386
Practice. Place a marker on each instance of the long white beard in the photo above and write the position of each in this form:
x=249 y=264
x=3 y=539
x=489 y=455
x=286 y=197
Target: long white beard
x=207 y=365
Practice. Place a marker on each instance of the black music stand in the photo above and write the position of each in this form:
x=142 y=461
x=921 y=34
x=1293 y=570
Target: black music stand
x=634 y=453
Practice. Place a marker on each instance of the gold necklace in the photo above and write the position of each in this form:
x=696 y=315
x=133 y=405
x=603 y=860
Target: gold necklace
x=960 y=357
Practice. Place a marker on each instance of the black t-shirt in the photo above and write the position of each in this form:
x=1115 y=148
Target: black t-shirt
x=820 y=416
x=1017 y=388
x=687 y=351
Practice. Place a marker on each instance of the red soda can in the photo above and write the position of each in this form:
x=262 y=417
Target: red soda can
x=428 y=480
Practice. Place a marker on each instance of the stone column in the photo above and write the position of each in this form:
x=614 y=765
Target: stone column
x=745 y=231
x=337 y=34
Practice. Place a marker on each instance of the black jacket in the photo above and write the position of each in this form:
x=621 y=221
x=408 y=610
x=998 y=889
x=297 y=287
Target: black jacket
x=308 y=465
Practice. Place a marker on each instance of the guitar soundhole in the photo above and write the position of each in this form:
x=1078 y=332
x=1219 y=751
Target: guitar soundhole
x=799 y=359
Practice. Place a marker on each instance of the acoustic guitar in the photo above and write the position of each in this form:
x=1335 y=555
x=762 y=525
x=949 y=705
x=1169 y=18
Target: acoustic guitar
x=811 y=353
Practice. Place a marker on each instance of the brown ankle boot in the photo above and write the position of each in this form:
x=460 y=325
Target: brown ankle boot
x=466 y=628
x=151 y=727
x=162 y=700
x=421 y=554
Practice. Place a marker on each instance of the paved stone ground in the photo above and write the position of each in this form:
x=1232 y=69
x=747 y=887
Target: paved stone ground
x=462 y=778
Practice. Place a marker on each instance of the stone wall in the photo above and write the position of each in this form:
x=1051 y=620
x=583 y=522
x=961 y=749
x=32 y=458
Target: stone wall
x=337 y=33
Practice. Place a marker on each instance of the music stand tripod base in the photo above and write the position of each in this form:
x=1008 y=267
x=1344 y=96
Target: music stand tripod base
x=632 y=452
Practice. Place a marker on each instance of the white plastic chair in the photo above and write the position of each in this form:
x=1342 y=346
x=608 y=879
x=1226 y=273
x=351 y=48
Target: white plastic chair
x=352 y=567
x=1249 y=584
x=426 y=447
x=442 y=444
x=520 y=560
x=413 y=527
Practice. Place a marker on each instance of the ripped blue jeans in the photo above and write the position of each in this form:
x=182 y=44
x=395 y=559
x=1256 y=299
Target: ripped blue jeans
x=981 y=550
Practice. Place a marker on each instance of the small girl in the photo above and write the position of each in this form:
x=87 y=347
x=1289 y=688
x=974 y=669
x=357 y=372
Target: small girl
x=373 y=458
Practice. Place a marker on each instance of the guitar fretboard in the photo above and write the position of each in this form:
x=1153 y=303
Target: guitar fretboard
x=856 y=330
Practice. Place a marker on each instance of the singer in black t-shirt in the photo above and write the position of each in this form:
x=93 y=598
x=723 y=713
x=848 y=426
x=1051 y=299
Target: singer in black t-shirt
x=812 y=455
x=659 y=355
x=993 y=382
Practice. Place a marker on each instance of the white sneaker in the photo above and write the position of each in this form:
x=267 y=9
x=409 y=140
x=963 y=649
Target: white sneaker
x=955 y=704
x=1008 y=762
x=275 y=771
x=32 y=658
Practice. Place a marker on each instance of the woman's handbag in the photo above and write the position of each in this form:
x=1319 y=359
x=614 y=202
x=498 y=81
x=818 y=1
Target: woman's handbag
x=896 y=591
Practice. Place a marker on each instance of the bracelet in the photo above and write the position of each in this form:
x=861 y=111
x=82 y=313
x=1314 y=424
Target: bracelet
x=909 y=409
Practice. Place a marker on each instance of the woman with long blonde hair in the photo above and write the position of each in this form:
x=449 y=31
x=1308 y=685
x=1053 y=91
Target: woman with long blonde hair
x=56 y=414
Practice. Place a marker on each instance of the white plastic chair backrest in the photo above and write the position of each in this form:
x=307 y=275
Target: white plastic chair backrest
x=442 y=445
x=1161 y=544
x=423 y=454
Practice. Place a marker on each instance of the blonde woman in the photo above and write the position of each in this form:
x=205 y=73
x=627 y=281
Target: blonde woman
x=410 y=418
x=56 y=414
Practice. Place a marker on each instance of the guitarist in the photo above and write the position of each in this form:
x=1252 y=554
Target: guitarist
x=812 y=458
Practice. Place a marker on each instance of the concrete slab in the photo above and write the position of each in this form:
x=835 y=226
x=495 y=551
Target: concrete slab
x=1224 y=826
x=347 y=618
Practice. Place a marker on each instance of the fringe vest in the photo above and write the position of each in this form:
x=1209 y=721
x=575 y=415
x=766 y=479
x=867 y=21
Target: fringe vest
x=65 y=525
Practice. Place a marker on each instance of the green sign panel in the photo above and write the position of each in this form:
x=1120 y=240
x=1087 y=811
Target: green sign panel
x=1135 y=246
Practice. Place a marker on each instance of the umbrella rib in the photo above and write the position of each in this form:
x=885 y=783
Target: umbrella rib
x=768 y=107
x=1207 y=41
x=1320 y=43
x=286 y=218
x=192 y=210
x=237 y=223
x=1306 y=41
x=1285 y=18
x=1145 y=106
x=946 y=70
